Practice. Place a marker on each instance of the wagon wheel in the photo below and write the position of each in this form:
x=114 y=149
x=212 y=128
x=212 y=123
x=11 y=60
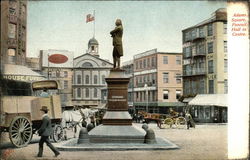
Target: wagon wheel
x=20 y=131
x=181 y=122
x=57 y=133
x=167 y=122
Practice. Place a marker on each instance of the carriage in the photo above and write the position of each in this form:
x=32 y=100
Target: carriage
x=20 y=115
x=163 y=120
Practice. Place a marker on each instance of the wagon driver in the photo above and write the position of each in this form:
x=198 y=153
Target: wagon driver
x=45 y=131
x=117 y=43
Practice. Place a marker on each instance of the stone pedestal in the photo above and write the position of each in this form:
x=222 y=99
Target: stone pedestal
x=117 y=123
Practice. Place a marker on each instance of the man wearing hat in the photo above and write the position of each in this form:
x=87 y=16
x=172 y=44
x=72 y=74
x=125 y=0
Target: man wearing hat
x=45 y=131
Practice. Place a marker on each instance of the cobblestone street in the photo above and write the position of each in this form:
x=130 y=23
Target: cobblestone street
x=205 y=142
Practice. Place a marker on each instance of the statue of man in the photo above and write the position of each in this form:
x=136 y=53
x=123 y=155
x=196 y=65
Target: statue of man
x=117 y=43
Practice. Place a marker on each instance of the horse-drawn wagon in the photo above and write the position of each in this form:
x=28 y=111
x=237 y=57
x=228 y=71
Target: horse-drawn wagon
x=163 y=120
x=20 y=115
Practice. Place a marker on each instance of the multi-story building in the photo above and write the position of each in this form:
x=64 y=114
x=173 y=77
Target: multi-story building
x=89 y=73
x=13 y=43
x=205 y=58
x=13 y=32
x=58 y=65
x=157 y=81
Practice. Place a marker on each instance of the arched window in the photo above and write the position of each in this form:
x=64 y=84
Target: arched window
x=103 y=79
x=79 y=79
x=95 y=79
x=87 y=93
x=87 y=79
x=95 y=93
x=87 y=65
x=79 y=93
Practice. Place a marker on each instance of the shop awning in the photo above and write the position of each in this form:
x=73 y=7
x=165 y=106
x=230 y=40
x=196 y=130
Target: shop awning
x=209 y=100
x=21 y=73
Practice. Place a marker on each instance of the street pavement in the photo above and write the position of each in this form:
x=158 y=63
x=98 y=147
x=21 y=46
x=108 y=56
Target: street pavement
x=205 y=142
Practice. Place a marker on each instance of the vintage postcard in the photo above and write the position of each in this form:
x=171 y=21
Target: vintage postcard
x=124 y=80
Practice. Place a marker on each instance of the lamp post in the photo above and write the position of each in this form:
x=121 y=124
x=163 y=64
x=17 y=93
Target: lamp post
x=146 y=89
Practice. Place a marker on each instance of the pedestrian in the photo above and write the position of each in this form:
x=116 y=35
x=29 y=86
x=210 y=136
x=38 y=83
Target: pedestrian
x=189 y=119
x=45 y=131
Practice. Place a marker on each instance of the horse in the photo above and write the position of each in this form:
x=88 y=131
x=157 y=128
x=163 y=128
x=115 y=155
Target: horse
x=75 y=119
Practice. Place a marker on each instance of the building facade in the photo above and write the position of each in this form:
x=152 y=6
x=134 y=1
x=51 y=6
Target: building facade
x=205 y=59
x=58 y=65
x=89 y=73
x=157 y=81
x=13 y=32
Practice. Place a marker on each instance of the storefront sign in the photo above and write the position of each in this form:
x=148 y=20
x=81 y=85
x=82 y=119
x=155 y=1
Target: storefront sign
x=23 y=78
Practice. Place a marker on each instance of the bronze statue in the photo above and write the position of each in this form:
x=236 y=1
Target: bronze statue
x=117 y=43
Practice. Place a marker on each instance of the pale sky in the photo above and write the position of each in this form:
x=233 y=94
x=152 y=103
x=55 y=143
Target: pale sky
x=147 y=25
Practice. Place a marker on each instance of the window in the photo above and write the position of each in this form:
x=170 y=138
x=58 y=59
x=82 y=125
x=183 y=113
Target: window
x=154 y=78
x=202 y=86
x=165 y=77
x=210 y=47
x=148 y=62
x=178 y=94
x=140 y=64
x=57 y=73
x=145 y=78
x=95 y=93
x=225 y=86
x=210 y=66
x=187 y=36
x=178 y=78
x=79 y=79
x=165 y=94
x=187 y=52
x=79 y=93
x=165 y=59
x=95 y=79
x=210 y=29
x=87 y=79
x=92 y=48
x=144 y=63
x=178 y=60
x=103 y=79
x=201 y=49
x=201 y=32
x=211 y=86
x=87 y=65
x=225 y=46
x=87 y=93
x=225 y=27
x=11 y=52
x=65 y=84
x=153 y=62
x=12 y=30
x=65 y=74
x=12 y=11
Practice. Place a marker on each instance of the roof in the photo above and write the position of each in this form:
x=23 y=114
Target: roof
x=210 y=100
x=186 y=100
x=87 y=54
x=93 y=41
x=216 y=16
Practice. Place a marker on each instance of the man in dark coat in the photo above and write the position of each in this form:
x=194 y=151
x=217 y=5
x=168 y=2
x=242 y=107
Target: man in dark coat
x=117 y=43
x=45 y=131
